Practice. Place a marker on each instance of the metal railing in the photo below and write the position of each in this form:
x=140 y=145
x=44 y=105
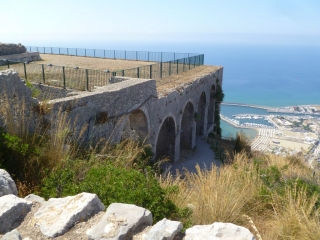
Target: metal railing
x=87 y=79
x=113 y=54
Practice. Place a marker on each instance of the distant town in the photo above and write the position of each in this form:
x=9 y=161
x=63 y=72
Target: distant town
x=284 y=131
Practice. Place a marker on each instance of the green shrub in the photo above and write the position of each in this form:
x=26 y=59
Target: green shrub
x=113 y=184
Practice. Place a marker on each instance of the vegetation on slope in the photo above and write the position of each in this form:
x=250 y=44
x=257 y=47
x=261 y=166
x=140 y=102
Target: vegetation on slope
x=275 y=197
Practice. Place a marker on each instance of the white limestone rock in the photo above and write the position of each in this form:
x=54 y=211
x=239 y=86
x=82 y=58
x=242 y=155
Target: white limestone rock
x=119 y=222
x=218 y=231
x=7 y=185
x=12 y=211
x=164 y=230
x=13 y=235
x=35 y=198
x=56 y=216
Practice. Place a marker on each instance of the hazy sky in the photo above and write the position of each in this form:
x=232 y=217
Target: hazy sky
x=40 y=22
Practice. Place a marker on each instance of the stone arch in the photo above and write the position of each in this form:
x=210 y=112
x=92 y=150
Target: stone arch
x=187 y=126
x=201 y=114
x=166 y=139
x=211 y=106
x=136 y=127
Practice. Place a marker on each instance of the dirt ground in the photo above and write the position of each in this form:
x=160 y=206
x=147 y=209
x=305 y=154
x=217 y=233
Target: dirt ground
x=90 y=63
x=176 y=80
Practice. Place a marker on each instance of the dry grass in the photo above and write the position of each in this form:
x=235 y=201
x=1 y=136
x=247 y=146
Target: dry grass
x=90 y=63
x=176 y=80
x=233 y=194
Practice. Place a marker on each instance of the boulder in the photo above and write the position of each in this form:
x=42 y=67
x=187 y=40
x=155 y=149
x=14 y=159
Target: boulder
x=35 y=198
x=120 y=221
x=56 y=216
x=218 y=231
x=12 y=211
x=7 y=185
x=13 y=235
x=164 y=230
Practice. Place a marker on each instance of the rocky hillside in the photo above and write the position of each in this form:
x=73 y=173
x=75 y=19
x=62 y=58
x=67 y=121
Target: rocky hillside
x=84 y=217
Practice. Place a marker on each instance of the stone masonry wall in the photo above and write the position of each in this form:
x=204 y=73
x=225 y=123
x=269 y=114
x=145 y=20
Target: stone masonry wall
x=11 y=48
x=16 y=102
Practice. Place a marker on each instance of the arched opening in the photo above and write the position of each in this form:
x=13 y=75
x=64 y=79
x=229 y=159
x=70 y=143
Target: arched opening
x=211 y=106
x=201 y=114
x=187 y=125
x=166 y=140
x=137 y=127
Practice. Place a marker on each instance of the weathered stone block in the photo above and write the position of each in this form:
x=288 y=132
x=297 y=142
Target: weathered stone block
x=58 y=215
x=7 y=185
x=12 y=211
x=120 y=221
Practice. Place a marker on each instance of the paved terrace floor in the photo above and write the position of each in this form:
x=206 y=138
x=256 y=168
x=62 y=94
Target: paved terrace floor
x=90 y=63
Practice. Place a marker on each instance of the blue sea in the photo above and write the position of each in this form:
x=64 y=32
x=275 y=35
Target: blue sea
x=268 y=75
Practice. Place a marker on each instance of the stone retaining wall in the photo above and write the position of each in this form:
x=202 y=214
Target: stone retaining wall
x=11 y=48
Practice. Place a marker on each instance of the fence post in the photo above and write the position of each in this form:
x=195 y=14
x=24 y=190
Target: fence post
x=122 y=73
x=125 y=55
x=94 y=53
x=8 y=63
x=44 y=50
x=169 y=68
x=51 y=51
x=161 y=57
x=174 y=56
x=194 y=61
x=148 y=56
x=67 y=51
x=184 y=62
x=150 y=71
x=43 y=76
x=138 y=72
x=177 y=67
x=76 y=51
x=59 y=51
x=160 y=70
x=85 y=52
x=64 y=78
x=25 y=70
x=114 y=54
x=87 y=80
x=189 y=61
x=104 y=53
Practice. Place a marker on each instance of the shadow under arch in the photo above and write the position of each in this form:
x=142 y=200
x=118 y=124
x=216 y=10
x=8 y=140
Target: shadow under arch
x=211 y=106
x=187 y=126
x=201 y=114
x=166 y=139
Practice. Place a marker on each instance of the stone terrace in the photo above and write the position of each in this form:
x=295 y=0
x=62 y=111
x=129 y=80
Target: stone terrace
x=90 y=63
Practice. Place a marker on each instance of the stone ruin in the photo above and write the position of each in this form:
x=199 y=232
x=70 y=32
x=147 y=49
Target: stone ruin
x=11 y=48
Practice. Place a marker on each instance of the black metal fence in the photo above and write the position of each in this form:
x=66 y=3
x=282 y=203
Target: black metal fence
x=113 y=54
x=87 y=79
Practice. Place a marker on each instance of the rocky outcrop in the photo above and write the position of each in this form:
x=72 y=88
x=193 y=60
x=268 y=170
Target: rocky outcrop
x=83 y=217
x=11 y=48
x=218 y=231
x=12 y=211
x=120 y=221
x=58 y=215
x=164 y=230
x=7 y=185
